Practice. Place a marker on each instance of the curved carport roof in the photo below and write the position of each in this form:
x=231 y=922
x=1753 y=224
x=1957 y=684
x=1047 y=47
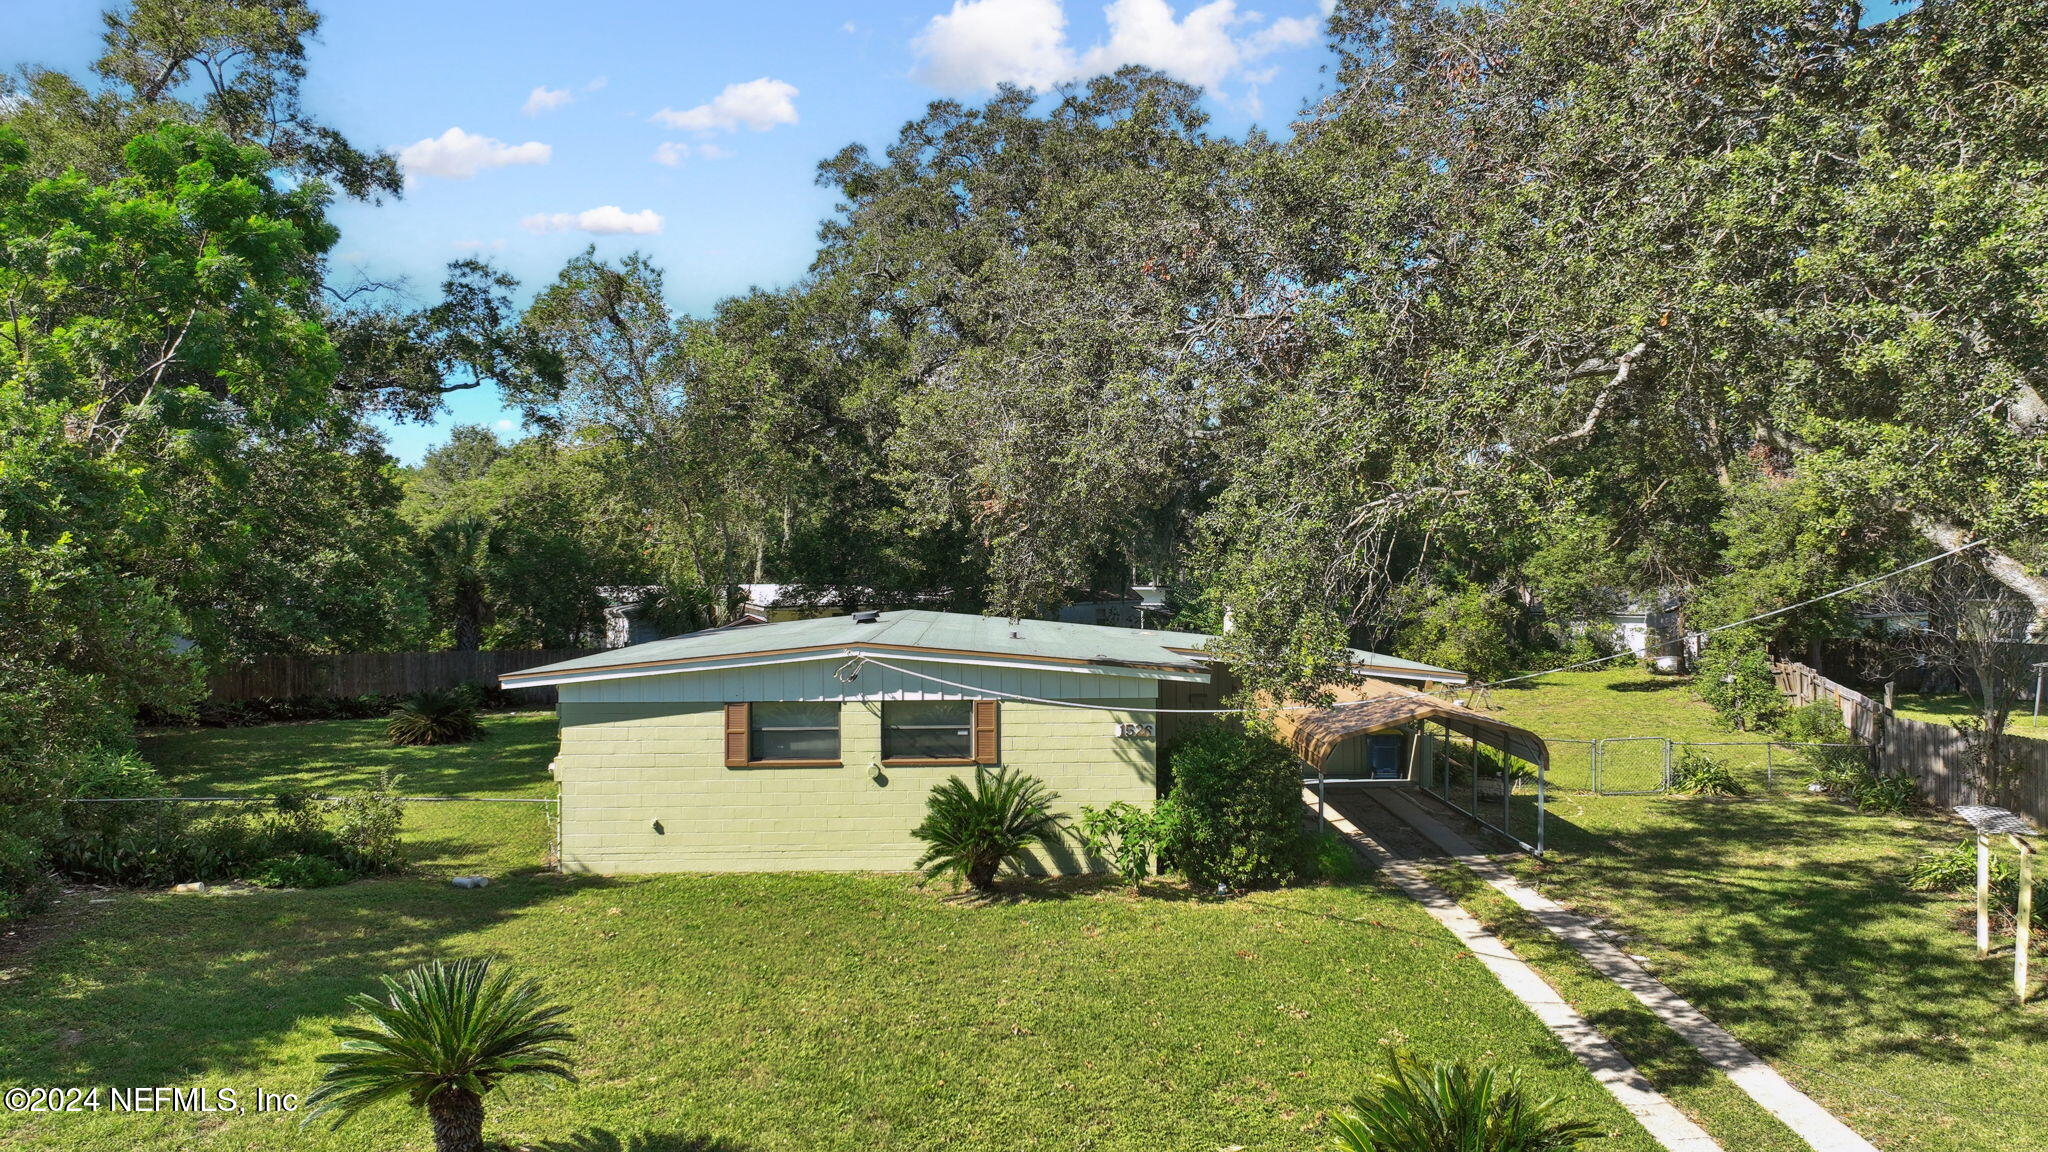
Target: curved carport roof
x=1315 y=734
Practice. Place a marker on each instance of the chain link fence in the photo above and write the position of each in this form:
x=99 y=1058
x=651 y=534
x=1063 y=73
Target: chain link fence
x=1647 y=765
x=1506 y=793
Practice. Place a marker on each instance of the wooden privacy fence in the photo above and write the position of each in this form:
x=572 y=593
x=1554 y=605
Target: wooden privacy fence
x=1933 y=754
x=380 y=674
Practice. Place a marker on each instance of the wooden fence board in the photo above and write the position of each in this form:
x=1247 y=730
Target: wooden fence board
x=381 y=674
x=1934 y=754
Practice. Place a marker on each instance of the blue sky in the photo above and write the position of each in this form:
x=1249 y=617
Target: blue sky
x=690 y=131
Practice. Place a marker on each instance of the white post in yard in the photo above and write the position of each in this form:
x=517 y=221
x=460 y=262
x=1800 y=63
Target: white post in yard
x=2025 y=913
x=1983 y=894
x=1987 y=820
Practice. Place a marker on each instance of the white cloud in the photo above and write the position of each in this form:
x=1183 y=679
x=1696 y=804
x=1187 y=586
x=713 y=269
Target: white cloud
x=459 y=155
x=609 y=220
x=982 y=43
x=1288 y=32
x=673 y=152
x=546 y=99
x=757 y=104
x=503 y=425
x=1198 y=48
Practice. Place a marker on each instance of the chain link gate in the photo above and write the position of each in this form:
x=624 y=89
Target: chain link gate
x=1631 y=765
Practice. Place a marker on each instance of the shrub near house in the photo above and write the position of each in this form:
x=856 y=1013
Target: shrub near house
x=1233 y=814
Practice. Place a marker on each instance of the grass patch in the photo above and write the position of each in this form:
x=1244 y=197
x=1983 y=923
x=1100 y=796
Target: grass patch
x=1947 y=709
x=1788 y=921
x=330 y=755
x=788 y=1012
x=753 y=1012
x=1610 y=702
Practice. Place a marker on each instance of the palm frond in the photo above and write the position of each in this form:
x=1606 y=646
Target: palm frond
x=1450 y=1106
x=442 y=1026
x=974 y=830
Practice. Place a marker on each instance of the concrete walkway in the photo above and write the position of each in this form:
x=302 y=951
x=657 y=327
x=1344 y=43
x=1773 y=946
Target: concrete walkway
x=1661 y=1118
x=1795 y=1109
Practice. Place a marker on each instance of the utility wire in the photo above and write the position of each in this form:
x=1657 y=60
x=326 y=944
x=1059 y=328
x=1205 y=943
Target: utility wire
x=1706 y=632
x=860 y=661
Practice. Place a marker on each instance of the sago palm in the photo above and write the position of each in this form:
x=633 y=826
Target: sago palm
x=973 y=830
x=1453 y=1107
x=434 y=717
x=444 y=1036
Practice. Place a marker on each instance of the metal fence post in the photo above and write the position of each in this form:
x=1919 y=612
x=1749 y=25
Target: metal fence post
x=1507 y=795
x=1472 y=752
x=1769 y=784
x=1667 y=767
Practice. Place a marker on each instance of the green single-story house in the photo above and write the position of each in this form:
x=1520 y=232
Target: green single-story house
x=811 y=744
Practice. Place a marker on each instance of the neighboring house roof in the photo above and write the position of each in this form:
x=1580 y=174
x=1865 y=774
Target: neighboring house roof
x=1315 y=735
x=918 y=634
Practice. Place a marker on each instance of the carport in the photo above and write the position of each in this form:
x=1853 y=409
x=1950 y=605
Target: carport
x=1381 y=736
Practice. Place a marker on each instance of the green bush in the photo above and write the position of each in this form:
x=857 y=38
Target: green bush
x=427 y=718
x=1884 y=795
x=26 y=883
x=366 y=827
x=1124 y=836
x=298 y=871
x=1733 y=676
x=1952 y=869
x=1472 y=629
x=1233 y=813
x=1701 y=775
x=974 y=831
x=148 y=843
x=1454 y=1107
x=1817 y=723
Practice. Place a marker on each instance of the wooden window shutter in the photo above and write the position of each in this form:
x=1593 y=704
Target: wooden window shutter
x=735 y=735
x=985 y=746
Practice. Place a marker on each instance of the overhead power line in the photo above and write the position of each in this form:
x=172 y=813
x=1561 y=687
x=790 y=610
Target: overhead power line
x=860 y=661
x=1706 y=632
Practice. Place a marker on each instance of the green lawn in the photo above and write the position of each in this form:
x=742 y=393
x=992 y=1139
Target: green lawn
x=338 y=754
x=1609 y=702
x=1947 y=709
x=1786 y=920
x=754 y=1012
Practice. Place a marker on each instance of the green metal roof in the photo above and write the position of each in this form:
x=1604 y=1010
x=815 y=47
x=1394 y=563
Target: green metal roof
x=945 y=632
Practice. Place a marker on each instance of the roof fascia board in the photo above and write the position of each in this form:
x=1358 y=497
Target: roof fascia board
x=679 y=667
x=1446 y=676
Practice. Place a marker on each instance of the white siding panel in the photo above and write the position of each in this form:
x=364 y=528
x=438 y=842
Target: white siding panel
x=814 y=680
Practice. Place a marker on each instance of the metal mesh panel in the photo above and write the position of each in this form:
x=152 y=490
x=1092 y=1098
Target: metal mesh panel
x=1632 y=765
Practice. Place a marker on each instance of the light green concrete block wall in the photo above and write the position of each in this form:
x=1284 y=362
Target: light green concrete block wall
x=624 y=768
